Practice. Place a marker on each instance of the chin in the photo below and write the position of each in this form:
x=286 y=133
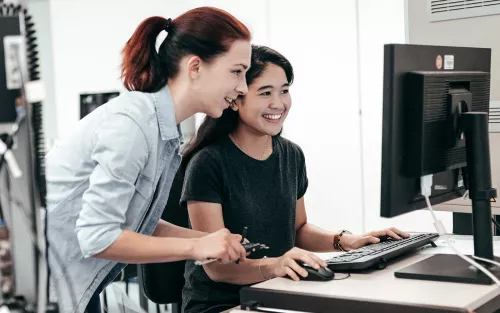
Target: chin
x=271 y=132
x=215 y=114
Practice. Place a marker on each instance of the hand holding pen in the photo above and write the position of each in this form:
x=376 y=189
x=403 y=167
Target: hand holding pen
x=249 y=247
x=221 y=245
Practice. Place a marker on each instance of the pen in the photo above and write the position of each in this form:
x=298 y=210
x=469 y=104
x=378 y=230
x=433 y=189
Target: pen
x=243 y=236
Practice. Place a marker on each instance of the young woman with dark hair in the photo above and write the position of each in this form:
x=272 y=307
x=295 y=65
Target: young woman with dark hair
x=239 y=171
x=109 y=180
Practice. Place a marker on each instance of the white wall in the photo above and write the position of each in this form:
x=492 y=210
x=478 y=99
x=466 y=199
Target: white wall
x=320 y=41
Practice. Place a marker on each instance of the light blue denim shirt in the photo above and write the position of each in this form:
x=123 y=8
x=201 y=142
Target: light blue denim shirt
x=114 y=172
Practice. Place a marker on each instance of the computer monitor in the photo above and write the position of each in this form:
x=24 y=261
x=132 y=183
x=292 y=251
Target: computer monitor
x=435 y=122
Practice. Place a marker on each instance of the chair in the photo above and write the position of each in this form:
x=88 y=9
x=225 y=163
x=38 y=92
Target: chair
x=163 y=282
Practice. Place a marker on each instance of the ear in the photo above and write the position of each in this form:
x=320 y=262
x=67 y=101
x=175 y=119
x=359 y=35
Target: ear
x=194 y=66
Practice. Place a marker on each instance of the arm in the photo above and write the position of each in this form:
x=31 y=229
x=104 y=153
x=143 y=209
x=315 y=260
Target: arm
x=131 y=247
x=313 y=238
x=166 y=229
x=310 y=237
x=120 y=152
x=207 y=217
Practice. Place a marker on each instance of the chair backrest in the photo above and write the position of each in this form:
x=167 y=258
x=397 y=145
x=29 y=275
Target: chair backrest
x=163 y=282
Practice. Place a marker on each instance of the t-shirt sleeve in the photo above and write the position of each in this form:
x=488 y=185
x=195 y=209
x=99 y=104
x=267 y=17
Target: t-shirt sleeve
x=203 y=180
x=302 y=180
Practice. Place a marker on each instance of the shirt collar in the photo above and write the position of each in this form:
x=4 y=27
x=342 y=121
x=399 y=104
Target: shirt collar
x=165 y=113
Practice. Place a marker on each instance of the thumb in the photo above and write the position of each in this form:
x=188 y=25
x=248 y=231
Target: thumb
x=371 y=239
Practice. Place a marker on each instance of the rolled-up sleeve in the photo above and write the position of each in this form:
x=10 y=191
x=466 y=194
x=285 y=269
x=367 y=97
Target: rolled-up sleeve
x=120 y=153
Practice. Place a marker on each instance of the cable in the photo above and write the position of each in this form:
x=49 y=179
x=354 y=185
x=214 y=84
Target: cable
x=426 y=184
x=342 y=278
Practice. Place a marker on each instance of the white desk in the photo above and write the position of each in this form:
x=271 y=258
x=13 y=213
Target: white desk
x=381 y=291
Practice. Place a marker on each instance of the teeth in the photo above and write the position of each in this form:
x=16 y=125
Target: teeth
x=229 y=100
x=272 y=116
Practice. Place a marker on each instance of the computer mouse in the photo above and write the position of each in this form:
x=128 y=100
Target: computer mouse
x=321 y=274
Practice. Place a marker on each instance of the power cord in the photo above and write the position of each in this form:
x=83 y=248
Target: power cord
x=426 y=187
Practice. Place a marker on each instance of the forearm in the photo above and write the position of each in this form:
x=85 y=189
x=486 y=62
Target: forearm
x=244 y=273
x=314 y=239
x=131 y=247
x=166 y=229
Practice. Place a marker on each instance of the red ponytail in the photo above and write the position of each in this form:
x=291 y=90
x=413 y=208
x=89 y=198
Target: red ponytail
x=205 y=32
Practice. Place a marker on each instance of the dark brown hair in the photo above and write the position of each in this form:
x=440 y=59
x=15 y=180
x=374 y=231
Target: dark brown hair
x=205 y=32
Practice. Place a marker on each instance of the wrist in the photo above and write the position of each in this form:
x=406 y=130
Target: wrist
x=341 y=241
x=266 y=267
x=189 y=248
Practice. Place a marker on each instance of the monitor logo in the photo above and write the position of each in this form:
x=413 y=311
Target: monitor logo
x=439 y=62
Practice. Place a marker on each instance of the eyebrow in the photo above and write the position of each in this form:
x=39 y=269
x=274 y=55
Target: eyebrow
x=244 y=65
x=269 y=86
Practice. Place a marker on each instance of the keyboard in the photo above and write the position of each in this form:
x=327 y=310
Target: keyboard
x=376 y=255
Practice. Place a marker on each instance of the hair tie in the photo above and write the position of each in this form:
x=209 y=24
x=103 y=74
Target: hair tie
x=168 y=23
x=162 y=35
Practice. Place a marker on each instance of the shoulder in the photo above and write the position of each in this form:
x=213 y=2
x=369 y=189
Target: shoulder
x=139 y=106
x=209 y=156
x=289 y=147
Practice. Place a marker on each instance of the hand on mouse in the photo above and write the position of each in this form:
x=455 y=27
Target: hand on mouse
x=352 y=242
x=287 y=264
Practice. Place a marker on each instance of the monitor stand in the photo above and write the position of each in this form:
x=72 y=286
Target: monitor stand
x=451 y=267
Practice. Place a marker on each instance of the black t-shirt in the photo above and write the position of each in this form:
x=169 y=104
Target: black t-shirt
x=258 y=194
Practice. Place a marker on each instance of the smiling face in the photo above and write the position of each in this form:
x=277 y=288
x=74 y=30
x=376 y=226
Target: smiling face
x=266 y=105
x=223 y=80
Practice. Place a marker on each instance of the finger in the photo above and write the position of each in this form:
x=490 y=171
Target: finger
x=393 y=234
x=291 y=274
x=318 y=260
x=296 y=268
x=236 y=237
x=370 y=239
x=310 y=260
x=232 y=254
x=242 y=253
x=225 y=259
x=400 y=233
x=238 y=250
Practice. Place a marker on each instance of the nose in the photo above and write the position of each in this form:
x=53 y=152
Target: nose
x=277 y=103
x=242 y=88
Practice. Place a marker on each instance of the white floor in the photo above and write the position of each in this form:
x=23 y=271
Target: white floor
x=131 y=303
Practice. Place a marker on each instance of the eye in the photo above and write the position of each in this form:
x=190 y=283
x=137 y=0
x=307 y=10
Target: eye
x=266 y=93
x=237 y=72
x=285 y=91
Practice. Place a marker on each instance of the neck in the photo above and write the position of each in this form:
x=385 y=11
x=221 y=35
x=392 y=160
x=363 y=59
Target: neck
x=184 y=104
x=254 y=143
